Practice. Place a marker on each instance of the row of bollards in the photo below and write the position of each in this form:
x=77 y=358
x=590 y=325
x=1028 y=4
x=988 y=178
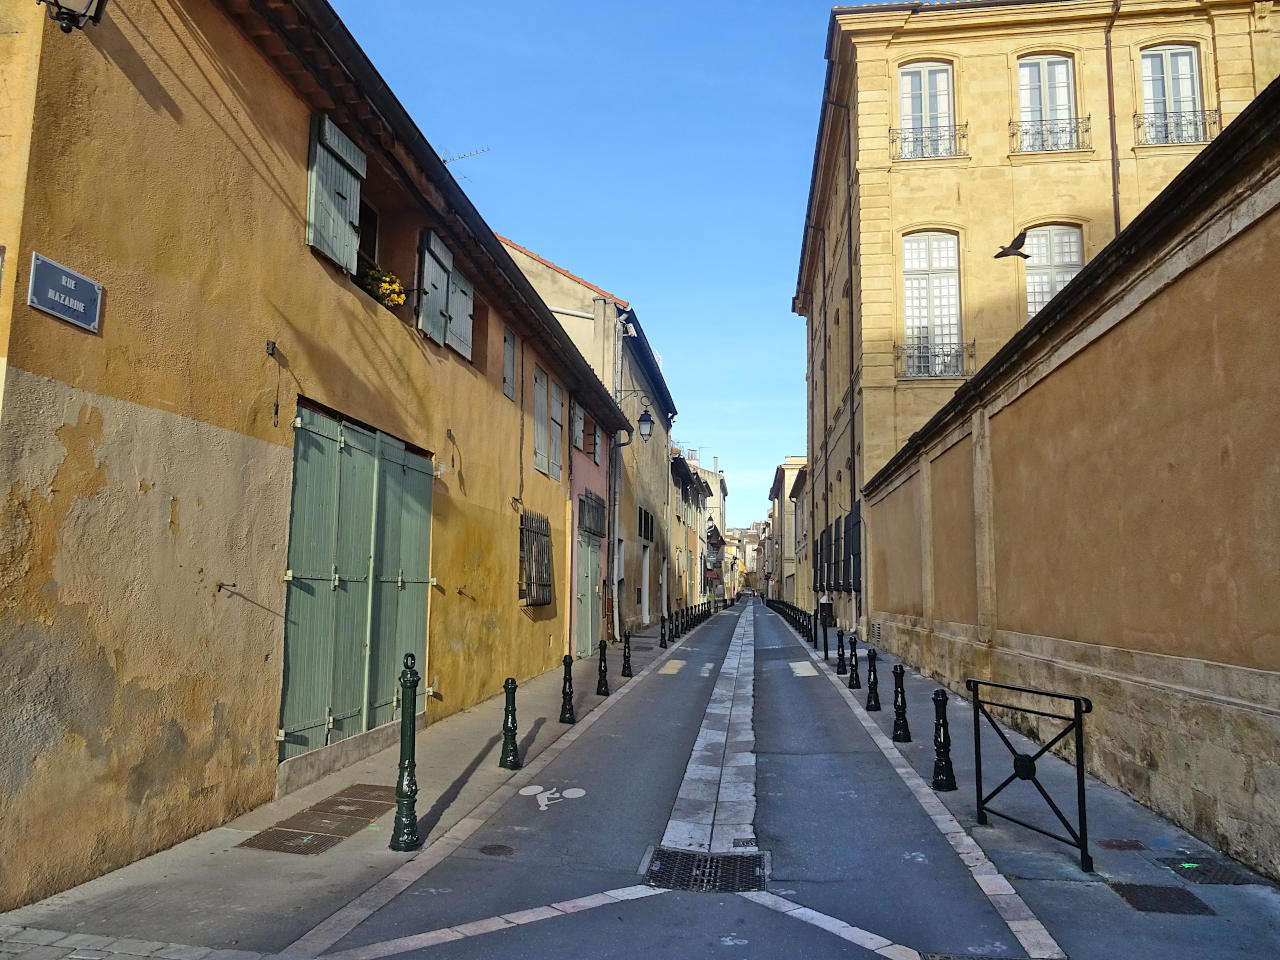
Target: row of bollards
x=808 y=625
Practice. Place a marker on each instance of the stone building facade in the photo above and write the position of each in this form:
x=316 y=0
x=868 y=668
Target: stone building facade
x=946 y=131
x=1097 y=512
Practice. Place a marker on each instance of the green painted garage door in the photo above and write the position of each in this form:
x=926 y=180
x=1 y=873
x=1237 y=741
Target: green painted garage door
x=356 y=603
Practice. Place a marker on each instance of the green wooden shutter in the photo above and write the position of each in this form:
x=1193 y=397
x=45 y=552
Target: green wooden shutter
x=309 y=596
x=539 y=420
x=509 y=363
x=333 y=194
x=352 y=587
x=555 y=429
x=461 y=305
x=433 y=306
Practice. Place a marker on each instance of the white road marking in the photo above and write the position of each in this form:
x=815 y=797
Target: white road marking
x=803 y=668
x=1032 y=934
x=672 y=667
x=706 y=669
x=547 y=797
x=716 y=803
x=506 y=921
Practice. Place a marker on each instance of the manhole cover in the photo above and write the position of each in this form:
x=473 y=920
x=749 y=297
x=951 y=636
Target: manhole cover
x=1121 y=844
x=291 y=841
x=497 y=850
x=724 y=872
x=1154 y=898
x=1207 y=870
x=346 y=807
x=368 y=791
x=333 y=824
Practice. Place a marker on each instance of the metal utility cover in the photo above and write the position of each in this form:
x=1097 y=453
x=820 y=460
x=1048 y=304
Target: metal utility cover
x=368 y=791
x=687 y=870
x=330 y=824
x=1208 y=870
x=347 y=807
x=1155 y=898
x=291 y=841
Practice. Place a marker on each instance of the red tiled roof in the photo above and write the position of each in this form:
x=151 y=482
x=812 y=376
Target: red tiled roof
x=561 y=270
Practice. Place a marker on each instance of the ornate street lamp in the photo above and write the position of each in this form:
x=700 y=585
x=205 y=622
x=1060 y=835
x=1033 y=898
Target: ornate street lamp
x=645 y=423
x=73 y=14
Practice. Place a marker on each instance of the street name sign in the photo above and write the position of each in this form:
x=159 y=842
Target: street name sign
x=64 y=293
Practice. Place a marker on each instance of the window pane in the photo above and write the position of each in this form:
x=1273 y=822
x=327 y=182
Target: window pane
x=945 y=251
x=1029 y=97
x=912 y=98
x=1037 y=246
x=1060 y=92
x=940 y=97
x=915 y=251
x=1153 y=98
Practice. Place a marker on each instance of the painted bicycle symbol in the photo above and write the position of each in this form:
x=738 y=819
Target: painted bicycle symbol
x=547 y=797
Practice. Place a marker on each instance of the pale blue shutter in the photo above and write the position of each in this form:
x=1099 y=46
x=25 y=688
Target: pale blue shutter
x=599 y=441
x=509 y=363
x=333 y=194
x=433 y=303
x=577 y=425
x=539 y=420
x=556 y=429
x=461 y=299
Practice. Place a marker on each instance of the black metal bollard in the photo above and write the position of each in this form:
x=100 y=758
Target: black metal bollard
x=855 y=681
x=602 y=682
x=566 y=697
x=826 y=650
x=873 y=682
x=404 y=833
x=662 y=633
x=901 y=732
x=841 y=669
x=510 y=749
x=813 y=629
x=944 y=777
x=626 y=654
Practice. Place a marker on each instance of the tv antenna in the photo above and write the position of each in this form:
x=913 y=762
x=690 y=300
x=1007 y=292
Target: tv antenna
x=463 y=156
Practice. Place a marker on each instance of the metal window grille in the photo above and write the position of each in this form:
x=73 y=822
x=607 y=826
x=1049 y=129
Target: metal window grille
x=915 y=360
x=1037 y=136
x=918 y=143
x=535 y=559
x=1187 y=126
x=591 y=514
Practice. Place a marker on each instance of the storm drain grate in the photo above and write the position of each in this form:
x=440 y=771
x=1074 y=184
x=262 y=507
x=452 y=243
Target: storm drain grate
x=1121 y=844
x=1208 y=870
x=332 y=824
x=720 y=872
x=1156 y=898
x=345 y=807
x=291 y=841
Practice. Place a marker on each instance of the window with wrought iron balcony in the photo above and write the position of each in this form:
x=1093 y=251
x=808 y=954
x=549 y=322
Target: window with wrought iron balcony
x=928 y=127
x=1047 y=118
x=932 y=345
x=1172 y=106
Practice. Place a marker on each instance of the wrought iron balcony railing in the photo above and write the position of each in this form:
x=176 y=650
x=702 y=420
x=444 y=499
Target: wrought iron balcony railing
x=920 y=360
x=1189 y=126
x=915 y=143
x=1038 y=136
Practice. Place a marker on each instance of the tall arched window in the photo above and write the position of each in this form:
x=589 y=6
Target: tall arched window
x=1172 y=105
x=926 y=112
x=931 y=305
x=1047 y=105
x=1057 y=254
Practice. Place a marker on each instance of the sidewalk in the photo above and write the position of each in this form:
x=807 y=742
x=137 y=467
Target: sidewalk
x=238 y=903
x=1155 y=890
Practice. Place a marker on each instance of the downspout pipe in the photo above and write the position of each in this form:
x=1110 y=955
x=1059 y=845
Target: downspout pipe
x=1111 y=117
x=615 y=464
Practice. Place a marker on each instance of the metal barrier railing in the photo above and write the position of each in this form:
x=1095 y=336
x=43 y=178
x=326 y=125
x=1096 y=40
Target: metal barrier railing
x=1024 y=764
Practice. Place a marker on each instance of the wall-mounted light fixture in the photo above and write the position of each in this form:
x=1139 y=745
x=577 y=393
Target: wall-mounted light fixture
x=645 y=423
x=73 y=14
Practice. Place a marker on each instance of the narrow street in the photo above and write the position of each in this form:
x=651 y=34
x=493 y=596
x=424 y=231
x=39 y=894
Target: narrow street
x=741 y=743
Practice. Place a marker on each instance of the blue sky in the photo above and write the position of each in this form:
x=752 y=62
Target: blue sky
x=661 y=150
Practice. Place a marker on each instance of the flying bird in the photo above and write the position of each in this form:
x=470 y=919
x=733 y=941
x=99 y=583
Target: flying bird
x=1014 y=249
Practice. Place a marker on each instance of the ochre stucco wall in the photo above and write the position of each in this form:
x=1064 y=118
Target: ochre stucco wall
x=142 y=465
x=954 y=566
x=895 y=551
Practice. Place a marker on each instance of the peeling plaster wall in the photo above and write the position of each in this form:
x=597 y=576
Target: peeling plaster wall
x=129 y=684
